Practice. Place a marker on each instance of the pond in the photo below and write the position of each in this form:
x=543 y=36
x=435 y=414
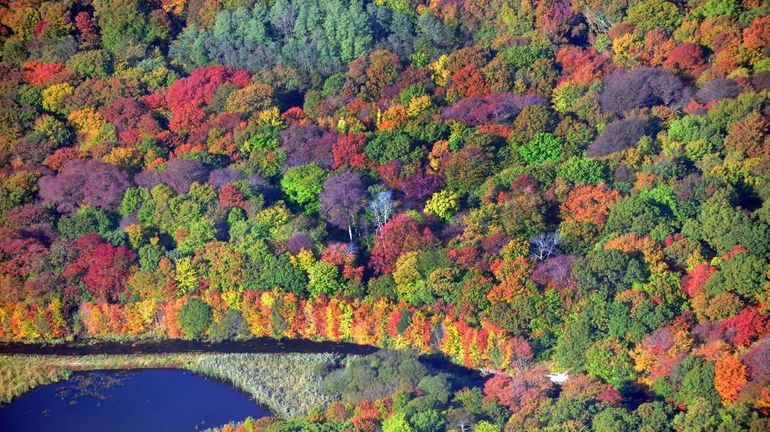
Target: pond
x=146 y=400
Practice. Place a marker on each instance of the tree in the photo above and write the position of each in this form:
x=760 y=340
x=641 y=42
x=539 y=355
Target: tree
x=443 y=204
x=388 y=146
x=544 y=246
x=430 y=420
x=609 y=361
x=589 y=204
x=382 y=207
x=96 y=63
x=614 y=419
x=653 y=14
x=746 y=327
x=520 y=392
x=349 y=150
x=607 y=272
x=582 y=170
x=512 y=274
x=186 y=276
x=343 y=197
x=323 y=278
x=544 y=147
x=467 y=169
x=189 y=97
x=717 y=89
x=617 y=136
x=729 y=378
x=490 y=108
x=89 y=182
x=122 y=24
x=303 y=184
x=687 y=58
x=103 y=267
x=743 y=274
x=642 y=87
x=194 y=318
x=399 y=235
x=396 y=423
x=693 y=380
x=308 y=144
x=485 y=426
x=638 y=214
x=716 y=8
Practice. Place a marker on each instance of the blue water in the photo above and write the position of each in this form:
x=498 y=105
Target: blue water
x=143 y=400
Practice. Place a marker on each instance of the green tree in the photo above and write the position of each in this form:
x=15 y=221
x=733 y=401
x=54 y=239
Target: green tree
x=700 y=416
x=724 y=227
x=386 y=146
x=573 y=343
x=122 y=23
x=651 y=14
x=91 y=64
x=582 y=171
x=693 y=380
x=279 y=272
x=87 y=219
x=609 y=360
x=396 y=423
x=150 y=255
x=429 y=420
x=485 y=426
x=638 y=215
x=194 y=318
x=608 y=271
x=743 y=274
x=654 y=417
x=615 y=420
x=303 y=184
x=543 y=147
x=324 y=278
x=715 y=8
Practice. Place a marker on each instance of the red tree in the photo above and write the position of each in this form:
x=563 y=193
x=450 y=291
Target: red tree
x=399 y=235
x=520 y=392
x=103 y=267
x=686 y=58
x=697 y=278
x=746 y=327
x=187 y=98
x=349 y=150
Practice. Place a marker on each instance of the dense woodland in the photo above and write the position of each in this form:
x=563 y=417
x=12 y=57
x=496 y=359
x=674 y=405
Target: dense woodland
x=524 y=186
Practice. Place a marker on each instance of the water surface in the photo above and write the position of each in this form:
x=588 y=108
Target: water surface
x=140 y=400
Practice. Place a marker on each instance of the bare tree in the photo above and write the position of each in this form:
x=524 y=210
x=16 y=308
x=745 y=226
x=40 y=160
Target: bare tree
x=382 y=207
x=544 y=246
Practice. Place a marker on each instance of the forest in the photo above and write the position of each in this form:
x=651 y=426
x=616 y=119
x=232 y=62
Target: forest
x=523 y=186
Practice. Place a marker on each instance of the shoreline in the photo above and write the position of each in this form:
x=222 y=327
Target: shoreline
x=254 y=374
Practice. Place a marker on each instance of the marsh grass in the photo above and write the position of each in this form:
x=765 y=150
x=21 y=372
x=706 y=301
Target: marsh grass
x=288 y=384
x=18 y=376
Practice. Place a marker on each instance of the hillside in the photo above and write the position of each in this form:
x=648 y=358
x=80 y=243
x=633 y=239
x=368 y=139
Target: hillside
x=524 y=186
